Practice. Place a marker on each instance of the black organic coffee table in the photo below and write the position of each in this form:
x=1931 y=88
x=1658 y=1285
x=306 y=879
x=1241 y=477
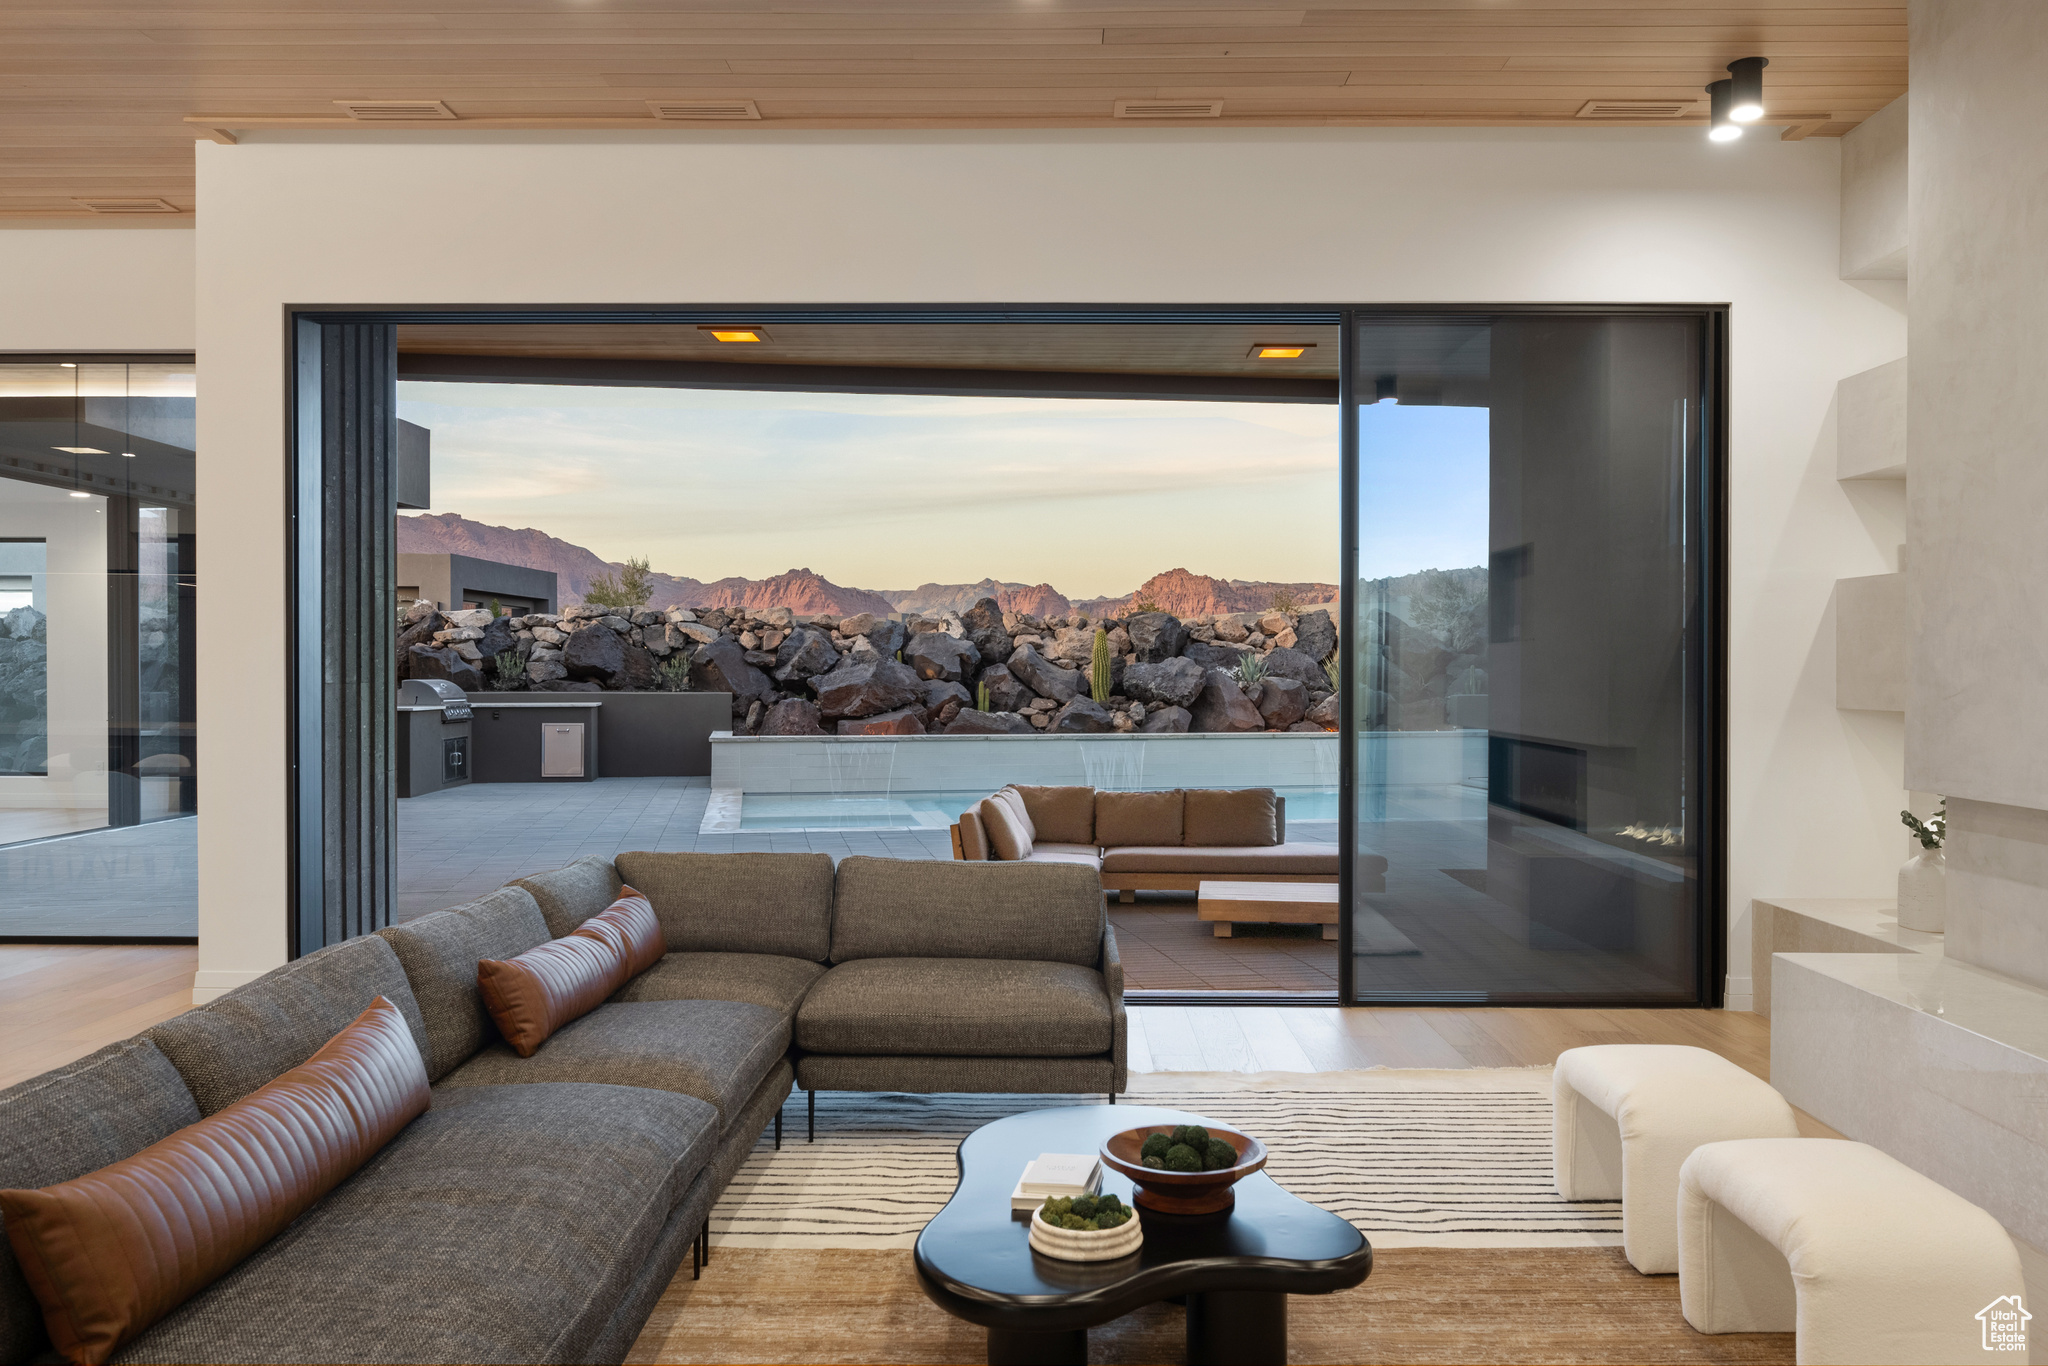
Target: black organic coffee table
x=1236 y=1269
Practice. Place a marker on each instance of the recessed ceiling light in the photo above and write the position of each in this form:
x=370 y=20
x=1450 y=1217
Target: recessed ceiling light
x=77 y=494
x=1720 y=127
x=79 y=450
x=1281 y=350
x=1746 y=95
x=68 y=364
x=737 y=334
x=129 y=455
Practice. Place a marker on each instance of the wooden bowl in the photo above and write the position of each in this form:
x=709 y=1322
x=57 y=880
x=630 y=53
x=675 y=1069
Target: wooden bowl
x=1183 y=1192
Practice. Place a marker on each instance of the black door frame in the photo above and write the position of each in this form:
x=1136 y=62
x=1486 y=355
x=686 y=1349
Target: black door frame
x=334 y=775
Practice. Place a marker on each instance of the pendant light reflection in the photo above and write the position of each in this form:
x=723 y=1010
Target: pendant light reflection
x=1746 y=93
x=1720 y=127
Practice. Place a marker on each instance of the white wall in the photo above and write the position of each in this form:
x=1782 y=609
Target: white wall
x=95 y=289
x=1137 y=216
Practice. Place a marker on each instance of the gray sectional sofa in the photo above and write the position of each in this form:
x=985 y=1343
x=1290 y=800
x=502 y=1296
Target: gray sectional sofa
x=536 y=1212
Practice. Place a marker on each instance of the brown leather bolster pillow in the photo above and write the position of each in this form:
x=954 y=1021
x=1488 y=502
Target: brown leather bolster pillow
x=535 y=994
x=112 y=1252
x=640 y=940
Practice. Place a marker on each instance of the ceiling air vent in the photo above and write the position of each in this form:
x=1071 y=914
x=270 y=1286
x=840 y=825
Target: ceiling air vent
x=1638 y=109
x=1169 y=109
x=727 y=110
x=402 y=110
x=128 y=205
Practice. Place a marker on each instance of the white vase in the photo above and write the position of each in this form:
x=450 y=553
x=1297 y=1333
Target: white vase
x=1923 y=892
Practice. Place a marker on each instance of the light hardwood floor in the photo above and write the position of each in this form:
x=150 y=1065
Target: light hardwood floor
x=60 y=1002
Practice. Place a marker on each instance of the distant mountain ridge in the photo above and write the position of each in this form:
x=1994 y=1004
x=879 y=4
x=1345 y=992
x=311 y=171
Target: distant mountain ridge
x=807 y=593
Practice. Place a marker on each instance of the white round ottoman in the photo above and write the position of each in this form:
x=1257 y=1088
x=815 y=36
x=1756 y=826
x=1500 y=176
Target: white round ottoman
x=1624 y=1117
x=1861 y=1256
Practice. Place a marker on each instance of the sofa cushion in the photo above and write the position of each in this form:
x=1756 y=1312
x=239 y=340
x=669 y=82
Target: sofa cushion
x=439 y=953
x=738 y=903
x=230 y=1046
x=75 y=1119
x=717 y=1051
x=539 y=992
x=113 y=1251
x=1236 y=817
x=505 y=1224
x=974 y=845
x=1060 y=815
x=1137 y=818
x=917 y=908
x=957 y=1007
x=1080 y=857
x=1008 y=838
x=569 y=896
x=762 y=979
x=1318 y=860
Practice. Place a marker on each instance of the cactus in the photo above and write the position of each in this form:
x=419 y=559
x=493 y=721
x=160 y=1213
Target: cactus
x=1098 y=668
x=981 y=697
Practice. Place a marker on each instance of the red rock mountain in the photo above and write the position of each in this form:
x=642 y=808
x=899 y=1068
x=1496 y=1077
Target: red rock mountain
x=1038 y=599
x=800 y=590
x=1186 y=595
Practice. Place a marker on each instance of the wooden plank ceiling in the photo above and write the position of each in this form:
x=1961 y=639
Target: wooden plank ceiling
x=99 y=100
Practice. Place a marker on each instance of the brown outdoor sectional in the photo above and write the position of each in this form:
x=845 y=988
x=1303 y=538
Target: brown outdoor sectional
x=1152 y=841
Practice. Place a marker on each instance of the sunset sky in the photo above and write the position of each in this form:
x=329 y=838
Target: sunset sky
x=1091 y=496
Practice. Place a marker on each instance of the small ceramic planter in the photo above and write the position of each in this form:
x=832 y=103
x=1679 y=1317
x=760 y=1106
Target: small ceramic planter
x=1086 y=1245
x=1923 y=892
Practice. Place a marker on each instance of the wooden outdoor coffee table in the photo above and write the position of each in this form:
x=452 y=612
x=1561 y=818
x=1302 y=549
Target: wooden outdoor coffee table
x=1235 y=1270
x=1268 y=903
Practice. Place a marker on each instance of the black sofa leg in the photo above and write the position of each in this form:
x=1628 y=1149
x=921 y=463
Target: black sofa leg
x=778 y=1129
x=697 y=1258
x=706 y=1237
x=813 y=1098
x=1112 y=1097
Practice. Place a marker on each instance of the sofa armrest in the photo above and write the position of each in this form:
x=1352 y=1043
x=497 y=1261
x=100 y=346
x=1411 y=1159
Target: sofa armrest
x=1120 y=1023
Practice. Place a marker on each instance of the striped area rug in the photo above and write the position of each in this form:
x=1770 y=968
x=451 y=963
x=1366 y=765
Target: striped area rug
x=1413 y=1158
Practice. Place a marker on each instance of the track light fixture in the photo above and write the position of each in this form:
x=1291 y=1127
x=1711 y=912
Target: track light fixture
x=1746 y=98
x=1720 y=127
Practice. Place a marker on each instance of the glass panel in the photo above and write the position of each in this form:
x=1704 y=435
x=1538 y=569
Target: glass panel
x=97 y=586
x=1527 y=688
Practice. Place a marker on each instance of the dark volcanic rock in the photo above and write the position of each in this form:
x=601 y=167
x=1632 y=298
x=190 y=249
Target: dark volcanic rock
x=1176 y=682
x=805 y=653
x=1324 y=713
x=1043 y=677
x=565 y=685
x=1282 y=702
x=1305 y=727
x=424 y=661
x=1286 y=663
x=722 y=666
x=903 y=721
x=1315 y=635
x=1167 y=721
x=935 y=655
x=1082 y=716
x=419 y=633
x=597 y=655
x=971 y=722
x=885 y=635
x=865 y=687
x=938 y=692
x=1223 y=706
x=983 y=623
x=792 y=716
x=1156 y=636
x=641 y=673
x=1212 y=656
x=1005 y=693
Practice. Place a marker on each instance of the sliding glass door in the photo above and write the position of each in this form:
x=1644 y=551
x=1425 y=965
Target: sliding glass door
x=1531 y=781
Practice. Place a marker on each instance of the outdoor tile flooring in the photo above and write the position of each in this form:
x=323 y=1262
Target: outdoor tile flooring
x=137 y=882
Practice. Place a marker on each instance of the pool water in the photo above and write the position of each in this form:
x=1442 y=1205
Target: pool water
x=932 y=810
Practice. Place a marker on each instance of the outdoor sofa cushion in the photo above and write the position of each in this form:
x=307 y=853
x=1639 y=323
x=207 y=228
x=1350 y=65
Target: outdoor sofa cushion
x=1008 y=836
x=957 y=1007
x=1060 y=815
x=762 y=979
x=1309 y=860
x=439 y=953
x=738 y=903
x=111 y=1252
x=85 y=1115
x=905 y=908
x=1085 y=855
x=1235 y=817
x=504 y=1225
x=569 y=896
x=717 y=1051
x=1138 y=818
x=231 y=1045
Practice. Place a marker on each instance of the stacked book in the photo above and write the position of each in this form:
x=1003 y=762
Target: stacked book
x=1053 y=1175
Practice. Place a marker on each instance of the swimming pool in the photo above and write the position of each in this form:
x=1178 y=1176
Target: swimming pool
x=932 y=810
